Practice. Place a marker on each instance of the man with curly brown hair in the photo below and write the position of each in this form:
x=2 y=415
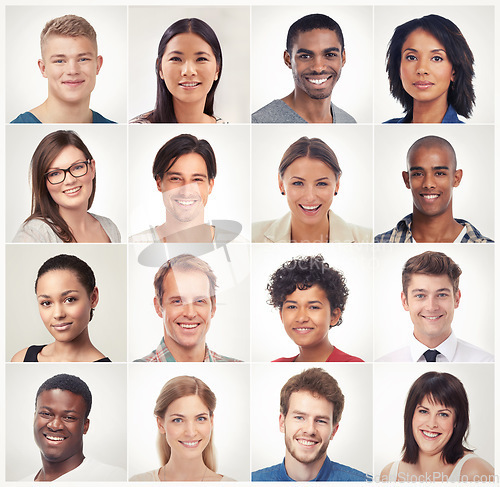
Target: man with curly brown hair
x=311 y=297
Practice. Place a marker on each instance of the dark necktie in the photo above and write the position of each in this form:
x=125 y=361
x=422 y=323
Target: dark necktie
x=430 y=355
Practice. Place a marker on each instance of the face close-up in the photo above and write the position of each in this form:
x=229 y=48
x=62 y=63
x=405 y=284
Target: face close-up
x=188 y=67
x=186 y=308
x=316 y=61
x=185 y=188
x=431 y=177
x=431 y=303
x=71 y=65
x=64 y=304
x=309 y=185
x=187 y=425
x=74 y=192
x=307 y=316
x=426 y=71
x=308 y=427
x=432 y=426
x=60 y=424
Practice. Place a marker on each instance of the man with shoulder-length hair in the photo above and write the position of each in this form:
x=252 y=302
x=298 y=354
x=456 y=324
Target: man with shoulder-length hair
x=311 y=405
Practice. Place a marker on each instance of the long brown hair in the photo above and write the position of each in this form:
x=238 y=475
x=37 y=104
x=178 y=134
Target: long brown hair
x=43 y=207
x=176 y=388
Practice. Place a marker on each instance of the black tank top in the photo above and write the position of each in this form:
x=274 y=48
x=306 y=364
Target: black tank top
x=34 y=350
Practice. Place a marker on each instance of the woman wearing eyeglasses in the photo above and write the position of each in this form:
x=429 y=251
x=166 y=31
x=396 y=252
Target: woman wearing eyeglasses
x=63 y=184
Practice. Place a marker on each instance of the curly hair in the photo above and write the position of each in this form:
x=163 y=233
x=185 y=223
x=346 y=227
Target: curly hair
x=303 y=273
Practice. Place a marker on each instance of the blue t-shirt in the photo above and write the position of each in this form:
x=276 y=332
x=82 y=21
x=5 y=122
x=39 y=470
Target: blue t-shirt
x=450 y=116
x=28 y=117
x=330 y=471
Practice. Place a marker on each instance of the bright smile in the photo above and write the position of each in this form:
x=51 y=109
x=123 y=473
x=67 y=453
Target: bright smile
x=189 y=326
x=306 y=443
x=186 y=203
x=72 y=191
x=190 y=84
x=190 y=444
x=430 y=197
x=318 y=81
x=432 y=318
x=429 y=434
x=302 y=330
x=310 y=210
x=57 y=439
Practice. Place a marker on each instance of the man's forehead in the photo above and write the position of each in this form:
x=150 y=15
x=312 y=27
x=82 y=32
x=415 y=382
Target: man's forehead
x=60 y=398
x=429 y=281
x=186 y=282
x=310 y=403
x=431 y=156
x=317 y=39
x=68 y=42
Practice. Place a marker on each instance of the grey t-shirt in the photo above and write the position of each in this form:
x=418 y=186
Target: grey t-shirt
x=279 y=112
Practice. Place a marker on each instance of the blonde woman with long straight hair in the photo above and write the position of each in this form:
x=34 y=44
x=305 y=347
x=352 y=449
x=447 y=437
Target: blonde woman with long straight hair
x=185 y=417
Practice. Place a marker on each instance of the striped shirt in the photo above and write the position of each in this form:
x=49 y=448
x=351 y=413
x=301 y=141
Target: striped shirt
x=402 y=233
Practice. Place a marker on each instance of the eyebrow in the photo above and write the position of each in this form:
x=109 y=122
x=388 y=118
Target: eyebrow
x=65 y=411
x=439 y=410
x=178 y=415
x=302 y=50
x=176 y=173
x=63 y=294
x=302 y=413
x=77 y=55
x=426 y=290
x=434 y=168
x=432 y=50
x=308 y=302
x=199 y=53
x=303 y=179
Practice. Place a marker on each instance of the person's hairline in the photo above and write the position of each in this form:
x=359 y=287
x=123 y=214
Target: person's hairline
x=314 y=394
x=185 y=270
x=411 y=274
x=56 y=34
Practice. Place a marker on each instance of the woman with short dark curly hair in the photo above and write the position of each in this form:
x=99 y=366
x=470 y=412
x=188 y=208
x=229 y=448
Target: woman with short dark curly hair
x=310 y=296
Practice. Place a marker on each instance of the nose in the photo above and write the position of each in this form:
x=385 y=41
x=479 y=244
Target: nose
x=431 y=421
x=429 y=181
x=59 y=310
x=188 y=68
x=318 y=64
x=432 y=303
x=72 y=66
x=302 y=315
x=55 y=424
x=422 y=67
x=189 y=311
x=309 y=427
x=189 y=428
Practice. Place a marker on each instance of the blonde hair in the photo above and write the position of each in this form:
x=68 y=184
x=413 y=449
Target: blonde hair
x=69 y=26
x=176 y=388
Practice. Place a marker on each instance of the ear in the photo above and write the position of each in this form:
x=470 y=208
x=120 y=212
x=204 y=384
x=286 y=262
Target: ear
x=458 y=295
x=337 y=185
x=335 y=317
x=343 y=58
x=214 y=305
x=99 y=64
x=41 y=67
x=158 y=308
x=335 y=429
x=281 y=185
x=216 y=77
x=406 y=178
x=404 y=301
x=161 y=427
x=282 y=422
x=92 y=168
x=86 y=426
x=453 y=76
x=94 y=297
x=211 y=185
x=286 y=58
x=457 y=178
x=158 y=183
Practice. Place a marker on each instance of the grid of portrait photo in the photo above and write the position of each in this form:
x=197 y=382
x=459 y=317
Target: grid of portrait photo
x=249 y=243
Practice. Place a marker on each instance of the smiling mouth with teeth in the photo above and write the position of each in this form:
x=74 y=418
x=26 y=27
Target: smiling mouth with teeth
x=54 y=438
x=430 y=196
x=429 y=434
x=310 y=208
x=307 y=442
x=72 y=190
x=188 y=326
x=190 y=444
x=186 y=202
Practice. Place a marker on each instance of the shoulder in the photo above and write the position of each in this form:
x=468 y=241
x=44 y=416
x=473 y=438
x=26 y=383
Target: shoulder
x=399 y=355
x=267 y=474
x=472 y=234
x=285 y=359
x=472 y=353
x=109 y=227
x=219 y=120
x=340 y=356
x=272 y=231
x=26 y=117
x=385 y=474
x=142 y=118
x=276 y=112
x=227 y=479
x=98 y=118
x=344 y=232
x=395 y=120
x=341 y=116
x=19 y=356
x=146 y=236
x=93 y=470
x=475 y=469
x=259 y=229
x=152 y=475
x=36 y=230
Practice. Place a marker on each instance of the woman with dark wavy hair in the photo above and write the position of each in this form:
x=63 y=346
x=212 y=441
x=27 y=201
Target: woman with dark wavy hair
x=188 y=70
x=430 y=68
x=436 y=424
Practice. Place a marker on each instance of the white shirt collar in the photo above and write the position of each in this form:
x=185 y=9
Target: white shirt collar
x=446 y=349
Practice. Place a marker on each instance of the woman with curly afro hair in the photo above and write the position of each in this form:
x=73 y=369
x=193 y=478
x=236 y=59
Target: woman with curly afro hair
x=310 y=296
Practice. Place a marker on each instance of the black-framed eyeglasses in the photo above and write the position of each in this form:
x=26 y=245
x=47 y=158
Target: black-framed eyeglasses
x=77 y=170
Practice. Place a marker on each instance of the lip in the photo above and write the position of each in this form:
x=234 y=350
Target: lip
x=430 y=196
x=54 y=439
x=306 y=442
x=319 y=81
x=190 y=444
x=423 y=85
x=433 y=317
x=76 y=82
x=425 y=434
x=72 y=191
x=189 y=85
x=303 y=330
x=186 y=326
x=310 y=210
x=186 y=203
x=62 y=326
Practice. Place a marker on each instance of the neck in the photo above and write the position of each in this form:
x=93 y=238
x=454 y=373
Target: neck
x=53 y=110
x=431 y=342
x=302 y=472
x=191 y=112
x=318 y=353
x=183 y=354
x=311 y=110
x=80 y=349
x=439 y=228
x=193 y=231
x=430 y=112
x=430 y=463
x=77 y=219
x=53 y=470
x=182 y=469
x=308 y=233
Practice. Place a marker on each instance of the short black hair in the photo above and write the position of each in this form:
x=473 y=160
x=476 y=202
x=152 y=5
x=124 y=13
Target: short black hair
x=71 y=383
x=461 y=91
x=311 y=22
x=303 y=273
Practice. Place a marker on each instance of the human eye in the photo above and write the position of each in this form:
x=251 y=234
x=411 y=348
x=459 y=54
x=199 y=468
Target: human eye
x=53 y=174
x=443 y=295
x=202 y=419
x=175 y=59
x=44 y=414
x=411 y=57
x=441 y=173
x=332 y=54
x=290 y=306
x=416 y=174
x=321 y=421
x=202 y=59
x=78 y=166
x=304 y=56
x=70 y=299
x=177 y=420
x=420 y=296
x=298 y=417
x=70 y=418
x=444 y=414
x=297 y=183
x=45 y=303
x=322 y=183
x=437 y=58
x=422 y=411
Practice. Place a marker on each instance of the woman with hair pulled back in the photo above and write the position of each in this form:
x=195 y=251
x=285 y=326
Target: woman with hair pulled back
x=63 y=183
x=67 y=296
x=436 y=424
x=188 y=70
x=184 y=414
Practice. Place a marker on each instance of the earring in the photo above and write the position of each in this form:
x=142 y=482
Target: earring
x=283 y=193
x=335 y=194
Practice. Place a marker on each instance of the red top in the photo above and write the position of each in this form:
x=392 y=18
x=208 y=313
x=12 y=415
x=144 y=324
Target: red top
x=336 y=356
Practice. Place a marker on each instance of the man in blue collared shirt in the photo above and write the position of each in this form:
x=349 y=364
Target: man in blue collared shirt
x=431 y=176
x=311 y=405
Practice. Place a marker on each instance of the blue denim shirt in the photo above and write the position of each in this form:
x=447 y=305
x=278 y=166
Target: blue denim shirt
x=450 y=116
x=330 y=471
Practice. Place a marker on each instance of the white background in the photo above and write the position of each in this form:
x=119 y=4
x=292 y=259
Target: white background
x=230 y=197
x=108 y=146
x=473 y=199
x=353 y=147
x=105 y=440
x=229 y=383
x=352 y=445
x=391 y=385
x=230 y=327
x=272 y=79
x=108 y=326
x=25 y=85
x=353 y=336
x=477 y=26
x=232 y=27
x=474 y=318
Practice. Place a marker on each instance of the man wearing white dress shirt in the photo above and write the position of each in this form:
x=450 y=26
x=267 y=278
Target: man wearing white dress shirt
x=431 y=295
